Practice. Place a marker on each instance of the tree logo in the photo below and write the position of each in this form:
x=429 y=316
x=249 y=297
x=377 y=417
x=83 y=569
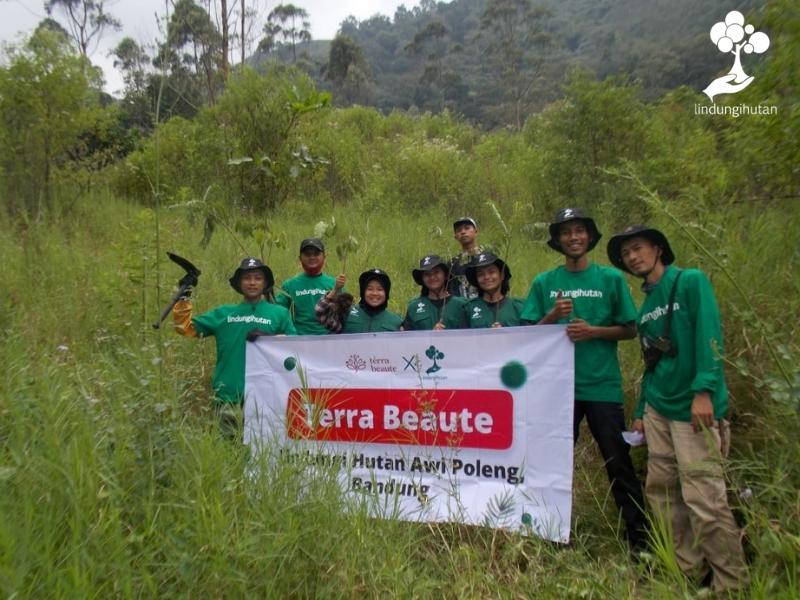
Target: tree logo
x=434 y=354
x=734 y=36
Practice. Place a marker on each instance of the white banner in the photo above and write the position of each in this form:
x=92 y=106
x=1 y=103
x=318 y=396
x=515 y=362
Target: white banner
x=473 y=426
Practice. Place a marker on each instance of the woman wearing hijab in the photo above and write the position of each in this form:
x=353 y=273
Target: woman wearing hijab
x=337 y=312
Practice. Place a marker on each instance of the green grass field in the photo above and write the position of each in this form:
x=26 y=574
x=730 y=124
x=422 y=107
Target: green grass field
x=115 y=483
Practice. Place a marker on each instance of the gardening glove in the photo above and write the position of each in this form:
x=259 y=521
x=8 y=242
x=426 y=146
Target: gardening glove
x=182 y=315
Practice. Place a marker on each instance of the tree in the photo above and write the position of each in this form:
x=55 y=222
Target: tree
x=48 y=101
x=86 y=20
x=432 y=42
x=247 y=17
x=132 y=60
x=192 y=53
x=291 y=23
x=514 y=43
x=269 y=41
x=347 y=69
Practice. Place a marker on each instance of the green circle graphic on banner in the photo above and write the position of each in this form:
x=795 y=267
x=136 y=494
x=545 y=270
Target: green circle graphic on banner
x=290 y=363
x=513 y=375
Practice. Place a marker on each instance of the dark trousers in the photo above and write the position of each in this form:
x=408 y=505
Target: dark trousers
x=607 y=422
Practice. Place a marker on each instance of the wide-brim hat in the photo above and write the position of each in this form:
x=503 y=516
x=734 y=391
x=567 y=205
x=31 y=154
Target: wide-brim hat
x=429 y=263
x=377 y=275
x=251 y=264
x=572 y=214
x=614 y=248
x=484 y=260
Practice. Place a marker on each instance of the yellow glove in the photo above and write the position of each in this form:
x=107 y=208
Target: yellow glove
x=182 y=315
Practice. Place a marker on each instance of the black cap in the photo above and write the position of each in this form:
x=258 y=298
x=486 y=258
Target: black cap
x=614 y=248
x=484 y=260
x=465 y=221
x=377 y=275
x=250 y=264
x=429 y=263
x=312 y=243
x=572 y=214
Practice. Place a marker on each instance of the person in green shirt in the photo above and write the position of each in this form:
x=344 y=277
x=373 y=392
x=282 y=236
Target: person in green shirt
x=682 y=407
x=232 y=325
x=493 y=307
x=434 y=308
x=301 y=293
x=595 y=304
x=338 y=314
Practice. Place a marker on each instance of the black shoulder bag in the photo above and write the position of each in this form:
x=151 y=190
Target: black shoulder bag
x=654 y=348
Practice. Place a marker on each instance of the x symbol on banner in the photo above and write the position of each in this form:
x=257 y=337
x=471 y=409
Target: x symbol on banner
x=411 y=362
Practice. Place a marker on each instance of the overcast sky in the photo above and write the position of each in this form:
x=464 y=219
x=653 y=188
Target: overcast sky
x=138 y=17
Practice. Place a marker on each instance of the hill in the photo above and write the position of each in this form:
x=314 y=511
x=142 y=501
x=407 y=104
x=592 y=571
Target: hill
x=415 y=64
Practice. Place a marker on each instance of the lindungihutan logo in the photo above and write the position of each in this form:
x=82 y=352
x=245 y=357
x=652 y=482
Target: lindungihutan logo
x=734 y=36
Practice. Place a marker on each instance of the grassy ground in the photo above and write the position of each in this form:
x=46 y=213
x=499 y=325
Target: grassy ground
x=114 y=482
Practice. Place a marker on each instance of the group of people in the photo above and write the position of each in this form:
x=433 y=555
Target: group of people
x=683 y=401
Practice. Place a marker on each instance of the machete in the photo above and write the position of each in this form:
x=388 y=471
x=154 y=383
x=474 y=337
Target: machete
x=190 y=270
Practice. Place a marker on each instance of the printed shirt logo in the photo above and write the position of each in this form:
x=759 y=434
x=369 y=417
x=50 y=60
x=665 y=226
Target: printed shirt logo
x=732 y=36
x=658 y=312
x=476 y=312
x=421 y=307
x=248 y=319
x=315 y=291
x=580 y=293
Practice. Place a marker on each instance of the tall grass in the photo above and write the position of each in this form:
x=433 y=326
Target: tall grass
x=113 y=484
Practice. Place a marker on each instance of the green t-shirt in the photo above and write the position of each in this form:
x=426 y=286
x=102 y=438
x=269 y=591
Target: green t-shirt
x=358 y=321
x=600 y=296
x=696 y=333
x=480 y=314
x=423 y=313
x=300 y=295
x=229 y=325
